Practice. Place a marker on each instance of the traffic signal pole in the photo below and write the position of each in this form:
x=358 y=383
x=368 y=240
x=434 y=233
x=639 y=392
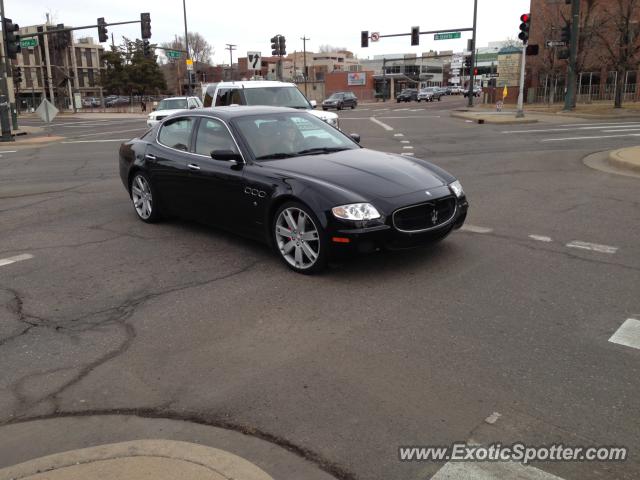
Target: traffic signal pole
x=186 y=45
x=520 y=112
x=473 y=55
x=570 y=98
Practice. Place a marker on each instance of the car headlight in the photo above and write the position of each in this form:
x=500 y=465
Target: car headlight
x=356 y=211
x=456 y=188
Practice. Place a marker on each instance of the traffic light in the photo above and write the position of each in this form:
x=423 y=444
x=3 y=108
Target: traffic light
x=17 y=75
x=524 y=27
x=283 y=45
x=565 y=33
x=475 y=71
x=102 y=30
x=11 y=39
x=415 y=36
x=146 y=49
x=364 y=38
x=145 y=25
x=275 y=45
x=63 y=39
x=467 y=61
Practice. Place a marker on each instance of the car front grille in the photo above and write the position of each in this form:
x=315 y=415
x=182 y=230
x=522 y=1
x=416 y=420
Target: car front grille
x=425 y=216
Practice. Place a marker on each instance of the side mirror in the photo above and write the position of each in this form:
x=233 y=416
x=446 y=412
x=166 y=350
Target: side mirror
x=313 y=103
x=355 y=137
x=226 y=156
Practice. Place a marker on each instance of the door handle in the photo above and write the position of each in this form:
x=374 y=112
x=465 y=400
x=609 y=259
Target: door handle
x=193 y=166
x=148 y=156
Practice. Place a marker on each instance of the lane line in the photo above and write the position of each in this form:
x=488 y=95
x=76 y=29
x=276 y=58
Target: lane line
x=398 y=134
x=17 y=258
x=594 y=247
x=596 y=137
x=408 y=147
x=475 y=229
x=9 y=151
x=98 y=141
x=491 y=470
x=627 y=129
x=383 y=125
x=628 y=334
x=392 y=118
x=543 y=130
x=408 y=154
x=109 y=133
x=541 y=238
x=593 y=124
x=405 y=141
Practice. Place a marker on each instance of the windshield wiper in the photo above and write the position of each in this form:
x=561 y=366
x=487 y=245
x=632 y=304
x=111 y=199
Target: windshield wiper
x=273 y=156
x=316 y=151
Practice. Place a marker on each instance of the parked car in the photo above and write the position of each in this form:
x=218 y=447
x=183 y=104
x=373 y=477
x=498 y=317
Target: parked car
x=285 y=177
x=477 y=91
x=263 y=92
x=172 y=105
x=429 y=94
x=118 y=102
x=340 y=100
x=407 y=95
x=90 y=102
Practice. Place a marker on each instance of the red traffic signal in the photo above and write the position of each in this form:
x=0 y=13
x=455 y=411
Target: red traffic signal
x=525 y=17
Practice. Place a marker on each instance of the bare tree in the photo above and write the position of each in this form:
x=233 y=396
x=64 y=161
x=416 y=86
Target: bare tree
x=326 y=48
x=620 y=40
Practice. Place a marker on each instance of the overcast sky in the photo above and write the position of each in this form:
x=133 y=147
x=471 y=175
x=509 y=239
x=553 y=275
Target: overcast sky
x=250 y=24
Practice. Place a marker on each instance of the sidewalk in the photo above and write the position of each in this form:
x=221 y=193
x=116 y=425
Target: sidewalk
x=627 y=158
x=504 y=118
x=139 y=448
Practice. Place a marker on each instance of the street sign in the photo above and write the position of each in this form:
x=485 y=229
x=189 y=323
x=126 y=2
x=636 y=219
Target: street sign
x=29 y=42
x=375 y=36
x=173 y=54
x=447 y=36
x=254 y=61
x=552 y=44
x=189 y=63
x=493 y=75
x=46 y=111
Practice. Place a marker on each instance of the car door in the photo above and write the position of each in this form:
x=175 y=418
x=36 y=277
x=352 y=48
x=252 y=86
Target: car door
x=215 y=186
x=166 y=160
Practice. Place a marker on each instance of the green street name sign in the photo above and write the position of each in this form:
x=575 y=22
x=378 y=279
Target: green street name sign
x=29 y=42
x=446 y=36
x=173 y=54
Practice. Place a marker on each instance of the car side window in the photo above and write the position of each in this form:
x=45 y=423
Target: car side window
x=222 y=97
x=176 y=133
x=213 y=135
x=234 y=97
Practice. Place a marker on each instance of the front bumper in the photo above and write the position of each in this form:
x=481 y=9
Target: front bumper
x=365 y=239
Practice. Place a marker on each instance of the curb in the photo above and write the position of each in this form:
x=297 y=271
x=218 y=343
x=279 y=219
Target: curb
x=137 y=458
x=492 y=119
x=620 y=158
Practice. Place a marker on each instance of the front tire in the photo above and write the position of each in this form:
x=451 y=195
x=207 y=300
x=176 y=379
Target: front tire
x=299 y=238
x=144 y=198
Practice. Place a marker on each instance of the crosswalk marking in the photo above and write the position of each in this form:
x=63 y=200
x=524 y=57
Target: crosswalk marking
x=17 y=258
x=594 y=247
x=628 y=334
x=491 y=471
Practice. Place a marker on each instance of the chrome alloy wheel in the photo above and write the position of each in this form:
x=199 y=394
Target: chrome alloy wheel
x=297 y=238
x=141 y=197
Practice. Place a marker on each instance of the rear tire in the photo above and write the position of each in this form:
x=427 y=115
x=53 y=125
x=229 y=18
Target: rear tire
x=144 y=198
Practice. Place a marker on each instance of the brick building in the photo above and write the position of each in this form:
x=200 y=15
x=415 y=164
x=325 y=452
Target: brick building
x=599 y=42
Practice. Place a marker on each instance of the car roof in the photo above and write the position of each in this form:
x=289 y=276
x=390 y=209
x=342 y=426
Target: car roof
x=230 y=112
x=253 y=84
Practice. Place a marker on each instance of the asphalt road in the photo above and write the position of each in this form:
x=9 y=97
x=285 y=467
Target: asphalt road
x=511 y=315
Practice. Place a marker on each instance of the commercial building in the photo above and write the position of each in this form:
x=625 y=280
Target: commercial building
x=57 y=68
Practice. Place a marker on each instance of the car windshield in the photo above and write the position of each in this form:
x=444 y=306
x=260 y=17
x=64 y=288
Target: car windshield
x=276 y=97
x=336 y=96
x=283 y=135
x=173 y=104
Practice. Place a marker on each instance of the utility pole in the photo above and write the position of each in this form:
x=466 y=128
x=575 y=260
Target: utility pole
x=570 y=98
x=523 y=60
x=304 y=50
x=6 y=74
x=231 y=47
x=186 y=45
x=473 y=53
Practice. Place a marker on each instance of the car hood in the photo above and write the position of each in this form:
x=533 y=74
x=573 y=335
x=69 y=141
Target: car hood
x=164 y=113
x=367 y=173
x=322 y=115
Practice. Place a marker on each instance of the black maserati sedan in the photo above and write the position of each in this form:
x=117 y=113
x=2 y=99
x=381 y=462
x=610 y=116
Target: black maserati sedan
x=285 y=177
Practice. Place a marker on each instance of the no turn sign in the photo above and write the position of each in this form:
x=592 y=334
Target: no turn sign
x=375 y=36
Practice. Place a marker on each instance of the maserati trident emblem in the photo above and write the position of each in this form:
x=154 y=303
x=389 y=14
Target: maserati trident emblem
x=428 y=192
x=434 y=217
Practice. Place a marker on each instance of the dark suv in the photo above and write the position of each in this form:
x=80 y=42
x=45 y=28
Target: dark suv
x=340 y=100
x=407 y=95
